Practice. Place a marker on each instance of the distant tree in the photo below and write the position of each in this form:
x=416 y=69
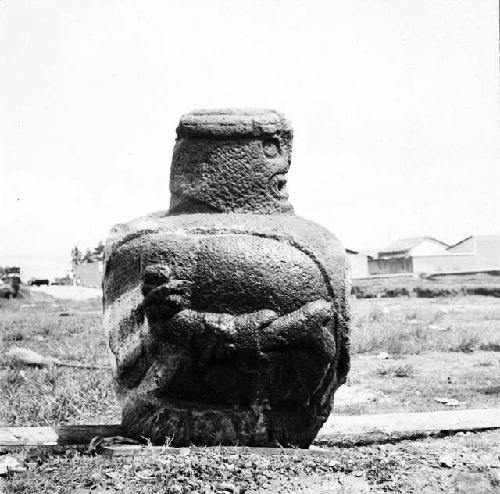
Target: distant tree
x=88 y=257
x=99 y=251
x=76 y=256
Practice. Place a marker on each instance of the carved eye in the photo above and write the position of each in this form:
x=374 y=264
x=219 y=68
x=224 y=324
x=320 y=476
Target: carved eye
x=270 y=149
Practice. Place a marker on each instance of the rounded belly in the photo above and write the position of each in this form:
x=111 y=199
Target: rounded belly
x=239 y=273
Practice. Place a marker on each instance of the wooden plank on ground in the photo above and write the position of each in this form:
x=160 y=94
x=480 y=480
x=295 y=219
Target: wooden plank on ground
x=337 y=428
x=56 y=435
x=134 y=450
x=343 y=426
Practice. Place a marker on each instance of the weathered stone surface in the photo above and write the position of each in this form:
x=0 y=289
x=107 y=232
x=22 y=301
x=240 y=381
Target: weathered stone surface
x=227 y=315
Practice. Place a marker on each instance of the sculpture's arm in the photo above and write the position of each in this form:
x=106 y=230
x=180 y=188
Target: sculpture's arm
x=167 y=306
x=256 y=332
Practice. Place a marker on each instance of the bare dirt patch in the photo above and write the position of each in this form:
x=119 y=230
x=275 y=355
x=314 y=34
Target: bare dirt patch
x=69 y=292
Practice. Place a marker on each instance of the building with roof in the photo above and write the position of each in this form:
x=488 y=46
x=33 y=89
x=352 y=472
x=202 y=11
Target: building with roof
x=427 y=255
x=410 y=247
x=404 y=256
x=88 y=274
x=482 y=250
x=359 y=264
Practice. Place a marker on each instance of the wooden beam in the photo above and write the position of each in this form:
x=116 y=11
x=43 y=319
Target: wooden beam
x=337 y=429
x=133 y=450
x=63 y=435
x=363 y=427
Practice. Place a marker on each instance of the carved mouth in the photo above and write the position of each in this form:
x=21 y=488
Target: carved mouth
x=278 y=185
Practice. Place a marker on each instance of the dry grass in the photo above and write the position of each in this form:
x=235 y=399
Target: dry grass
x=411 y=383
x=423 y=357
x=441 y=347
x=406 y=326
x=435 y=286
x=462 y=362
x=36 y=396
x=401 y=370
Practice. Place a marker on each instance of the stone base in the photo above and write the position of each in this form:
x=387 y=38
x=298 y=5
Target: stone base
x=183 y=424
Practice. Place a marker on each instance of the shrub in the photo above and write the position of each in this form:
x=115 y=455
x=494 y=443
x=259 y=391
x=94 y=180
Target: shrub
x=490 y=347
x=401 y=370
x=467 y=344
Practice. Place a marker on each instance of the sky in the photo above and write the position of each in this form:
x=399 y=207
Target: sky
x=394 y=105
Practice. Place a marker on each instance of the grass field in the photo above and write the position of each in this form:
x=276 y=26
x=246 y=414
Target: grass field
x=433 y=348
x=64 y=329
x=485 y=283
x=439 y=347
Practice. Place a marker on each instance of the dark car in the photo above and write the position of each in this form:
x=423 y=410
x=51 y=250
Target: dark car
x=38 y=282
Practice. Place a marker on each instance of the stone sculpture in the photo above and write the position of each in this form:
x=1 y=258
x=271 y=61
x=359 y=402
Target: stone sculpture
x=227 y=315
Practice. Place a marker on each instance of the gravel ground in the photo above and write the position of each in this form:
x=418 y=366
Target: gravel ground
x=463 y=463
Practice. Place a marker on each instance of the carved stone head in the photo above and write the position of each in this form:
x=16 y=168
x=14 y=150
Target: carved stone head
x=231 y=161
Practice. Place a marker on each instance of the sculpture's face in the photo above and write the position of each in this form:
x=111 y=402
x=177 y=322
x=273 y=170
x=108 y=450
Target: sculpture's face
x=231 y=174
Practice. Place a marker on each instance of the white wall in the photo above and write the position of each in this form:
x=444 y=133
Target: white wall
x=444 y=263
x=359 y=265
x=488 y=252
x=89 y=274
x=465 y=246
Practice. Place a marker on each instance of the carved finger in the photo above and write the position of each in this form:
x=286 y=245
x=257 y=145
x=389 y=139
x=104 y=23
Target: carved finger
x=161 y=293
x=156 y=274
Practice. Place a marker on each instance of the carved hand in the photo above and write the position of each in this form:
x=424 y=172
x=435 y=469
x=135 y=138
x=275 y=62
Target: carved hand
x=163 y=296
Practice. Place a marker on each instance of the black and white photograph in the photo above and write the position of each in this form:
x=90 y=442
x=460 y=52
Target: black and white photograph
x=249 y=246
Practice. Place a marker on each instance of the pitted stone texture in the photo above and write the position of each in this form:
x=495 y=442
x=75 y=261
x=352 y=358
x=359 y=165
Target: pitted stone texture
x=224 y=327
x=229 y=122
x=229 y=161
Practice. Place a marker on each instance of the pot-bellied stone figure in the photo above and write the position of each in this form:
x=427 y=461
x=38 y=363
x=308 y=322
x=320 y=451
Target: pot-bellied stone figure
x=227 y=315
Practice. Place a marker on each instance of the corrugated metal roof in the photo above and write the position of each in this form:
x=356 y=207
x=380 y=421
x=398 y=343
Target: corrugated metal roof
x=460 y=242
x=406 y=244
x=489 y=237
